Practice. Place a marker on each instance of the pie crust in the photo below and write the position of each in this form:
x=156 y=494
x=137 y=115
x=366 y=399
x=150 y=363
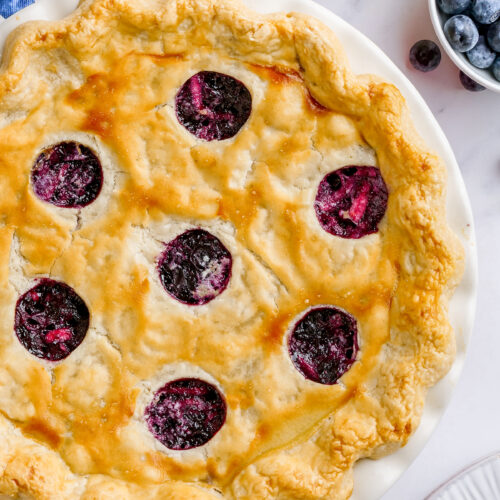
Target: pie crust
x=107 y=76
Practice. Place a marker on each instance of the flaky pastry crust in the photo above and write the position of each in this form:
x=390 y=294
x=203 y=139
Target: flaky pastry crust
x=107 y=76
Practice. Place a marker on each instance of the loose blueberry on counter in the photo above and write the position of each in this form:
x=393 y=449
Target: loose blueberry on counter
x=351 y=201
x=486 y=11
x=195 y=267
x=186 y=413
x=469 y=84
x=481 y=56
x=51 y=320
x=213 y=106
x=425 y=55
x=495 y=68
x=67 y=175
x=453 y=7
x=461 y=32
x=324 y=344
x=493 y=36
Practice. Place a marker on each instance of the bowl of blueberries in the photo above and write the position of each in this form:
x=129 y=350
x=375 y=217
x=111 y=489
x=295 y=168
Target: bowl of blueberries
x=469 y=31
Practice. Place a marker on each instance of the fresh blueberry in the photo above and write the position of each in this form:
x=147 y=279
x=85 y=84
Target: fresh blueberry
x=213 y=106
x=425 y=55
x=51 y=320
x=461 y=32
x=469 y=84
x=481 y=56
x=486 y=11
x=195 y=267
x=482 y=28
x=495 y=68
x=493 y=36
x=453 y=7
x=67 y=175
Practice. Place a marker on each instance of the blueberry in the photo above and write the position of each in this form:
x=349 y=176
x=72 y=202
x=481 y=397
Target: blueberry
x=469 y=84
x=481 y=56
x=482 y=28
x=461 y=32
x=495 y=68
x=425 y=55
x=486 y=11
x=493 y=36
x=453 y=7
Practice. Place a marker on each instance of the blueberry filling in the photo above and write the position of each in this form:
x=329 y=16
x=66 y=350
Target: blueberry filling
x=67 y=175
x=195 y=267
x=51 y=320
x=351 y=201
x=186 y=413
x=213 y=106
x=323 y=344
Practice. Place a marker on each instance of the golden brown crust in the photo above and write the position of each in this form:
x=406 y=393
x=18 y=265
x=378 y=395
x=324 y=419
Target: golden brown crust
x=107 y=75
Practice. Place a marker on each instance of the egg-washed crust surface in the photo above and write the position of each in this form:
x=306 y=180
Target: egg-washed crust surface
x=107 y=76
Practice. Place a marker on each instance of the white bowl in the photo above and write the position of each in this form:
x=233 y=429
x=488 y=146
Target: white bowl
x=482 y=76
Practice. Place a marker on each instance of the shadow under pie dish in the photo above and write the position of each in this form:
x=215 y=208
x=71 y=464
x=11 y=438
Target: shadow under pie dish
x=259 y=239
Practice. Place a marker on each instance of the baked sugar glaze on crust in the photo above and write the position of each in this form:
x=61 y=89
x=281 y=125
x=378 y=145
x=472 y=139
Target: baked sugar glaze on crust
x=67 y=175
x=51 y=320
x=186 y=413
x=242 y=289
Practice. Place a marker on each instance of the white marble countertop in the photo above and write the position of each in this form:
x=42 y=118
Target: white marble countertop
x=470 y=427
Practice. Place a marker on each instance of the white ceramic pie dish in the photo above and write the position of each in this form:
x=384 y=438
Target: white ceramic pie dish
x=372 y=478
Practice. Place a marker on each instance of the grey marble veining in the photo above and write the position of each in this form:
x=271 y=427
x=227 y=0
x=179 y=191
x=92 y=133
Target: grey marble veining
x=470 y=427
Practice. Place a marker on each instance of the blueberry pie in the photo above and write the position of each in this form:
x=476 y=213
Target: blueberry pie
x=225 y=263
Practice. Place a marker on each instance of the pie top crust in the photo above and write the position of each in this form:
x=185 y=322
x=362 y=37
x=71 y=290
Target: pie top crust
x=107 y=77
